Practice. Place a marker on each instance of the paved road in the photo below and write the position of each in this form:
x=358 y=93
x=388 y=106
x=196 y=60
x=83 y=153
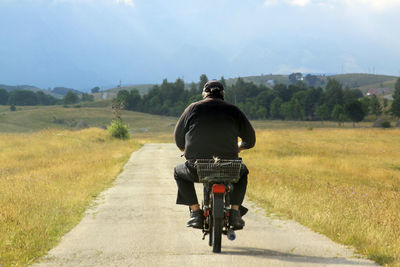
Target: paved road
x=136 y=223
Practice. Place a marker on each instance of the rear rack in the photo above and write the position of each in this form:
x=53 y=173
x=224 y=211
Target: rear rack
x=218 y=170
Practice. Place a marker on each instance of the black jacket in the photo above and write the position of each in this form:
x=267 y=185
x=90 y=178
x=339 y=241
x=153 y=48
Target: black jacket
x=211 y=127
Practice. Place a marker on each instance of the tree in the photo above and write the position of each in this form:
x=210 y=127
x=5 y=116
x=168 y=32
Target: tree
x=265 y=99
x=134 y=99
x=275 y=110
x=122 y=98
x=385 y=103
x=203 y=81
x=295 y=109
x=223 y=81
x=311 y=80
x=333 y=94
x=397 y=89
x=354 y=110
x=4 y=97
x=351 y=94
x=71 y=98
x=294 y=77
x=23 y=98
x=323 y=112
x=313 y=96
x=95 y=90
x=87 y=97
x=375 y=106
x=338 y=114
x=283 y=92
x=395 y=108
x=365 y=103
x=45 y=99
x=285 y=110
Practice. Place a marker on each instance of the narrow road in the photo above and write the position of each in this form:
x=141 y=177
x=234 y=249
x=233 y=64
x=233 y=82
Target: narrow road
x=136 y=223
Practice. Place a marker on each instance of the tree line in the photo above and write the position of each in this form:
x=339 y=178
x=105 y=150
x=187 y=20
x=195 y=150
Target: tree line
x=31 y=98
x=296 y=101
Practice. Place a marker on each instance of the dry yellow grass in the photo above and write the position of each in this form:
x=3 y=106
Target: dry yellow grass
x=47 y=180
x=341 y=182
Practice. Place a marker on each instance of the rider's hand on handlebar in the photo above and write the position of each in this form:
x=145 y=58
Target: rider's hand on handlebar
x=240 y=149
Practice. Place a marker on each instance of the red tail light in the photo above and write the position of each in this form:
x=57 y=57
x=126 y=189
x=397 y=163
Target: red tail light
x=218 y=188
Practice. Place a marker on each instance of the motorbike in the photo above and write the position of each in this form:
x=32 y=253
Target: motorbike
x=218 y=177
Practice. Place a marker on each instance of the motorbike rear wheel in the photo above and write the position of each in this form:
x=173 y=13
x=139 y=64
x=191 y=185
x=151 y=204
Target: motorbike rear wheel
x=216 y=234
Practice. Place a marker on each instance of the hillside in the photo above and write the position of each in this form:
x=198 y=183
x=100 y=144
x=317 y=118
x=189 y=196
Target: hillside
x=11 y=88
x=29 y=119
x=62 y=91
x=112 y=92
x=359 y=80
x=58 y=92
x=362 y=81
x=262 y=79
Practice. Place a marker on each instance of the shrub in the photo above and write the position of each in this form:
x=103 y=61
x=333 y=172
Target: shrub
x=13 y=108
x=81 y=125
x=118 y=129
x=386 y=124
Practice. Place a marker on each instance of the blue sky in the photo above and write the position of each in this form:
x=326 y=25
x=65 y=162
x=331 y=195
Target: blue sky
x=85 y=43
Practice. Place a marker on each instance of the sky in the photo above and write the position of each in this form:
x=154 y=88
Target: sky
x=86 y=43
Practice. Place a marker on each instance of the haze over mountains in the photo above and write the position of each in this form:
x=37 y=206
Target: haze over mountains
x=87 y=43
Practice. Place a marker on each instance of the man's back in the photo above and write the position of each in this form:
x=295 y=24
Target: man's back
x=210 y=128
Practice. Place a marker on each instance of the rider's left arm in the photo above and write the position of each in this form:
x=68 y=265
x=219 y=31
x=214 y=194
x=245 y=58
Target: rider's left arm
x=180 y=130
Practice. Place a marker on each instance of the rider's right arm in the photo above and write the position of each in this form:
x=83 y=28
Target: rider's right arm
x=246 y=133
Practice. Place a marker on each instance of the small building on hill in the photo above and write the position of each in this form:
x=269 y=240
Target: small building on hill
x=379 y=91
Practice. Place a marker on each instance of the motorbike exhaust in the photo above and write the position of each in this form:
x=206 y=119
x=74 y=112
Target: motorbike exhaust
x=231 y=235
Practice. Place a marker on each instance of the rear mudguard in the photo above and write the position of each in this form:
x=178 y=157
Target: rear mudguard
x=218 y=206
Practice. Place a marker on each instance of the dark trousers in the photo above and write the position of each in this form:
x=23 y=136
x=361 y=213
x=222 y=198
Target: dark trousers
x=186 y=175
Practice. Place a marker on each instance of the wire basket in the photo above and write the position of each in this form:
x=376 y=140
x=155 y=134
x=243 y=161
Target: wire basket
x=218 y=170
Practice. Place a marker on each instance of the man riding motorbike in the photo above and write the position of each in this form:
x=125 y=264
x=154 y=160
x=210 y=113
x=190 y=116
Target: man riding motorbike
x=206 y=129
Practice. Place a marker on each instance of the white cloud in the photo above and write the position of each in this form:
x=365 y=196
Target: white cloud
x=374 y=5
x=351 y=65
x=299 y=2
x=120 y=2
x=268 y=3
x=282 y=68
x=126 y=2
x=378 y=5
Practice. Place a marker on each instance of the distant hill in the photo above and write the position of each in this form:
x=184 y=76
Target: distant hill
x=11 y=88
x=362 y=81
x=358 y=80
x=58 y=92
x=63 y=91
x=112 y=92
x=262 y=79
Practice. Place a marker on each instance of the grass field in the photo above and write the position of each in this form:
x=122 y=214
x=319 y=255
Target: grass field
x=344 y=183
x=31 y=119
x=47 y=180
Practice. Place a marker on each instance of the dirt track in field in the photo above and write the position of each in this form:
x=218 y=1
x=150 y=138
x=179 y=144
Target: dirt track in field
x=136 y=223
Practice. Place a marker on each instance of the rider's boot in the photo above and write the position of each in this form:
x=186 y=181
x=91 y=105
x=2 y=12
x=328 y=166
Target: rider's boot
x=243 y=210
x=235 y=219
x=196 y=219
